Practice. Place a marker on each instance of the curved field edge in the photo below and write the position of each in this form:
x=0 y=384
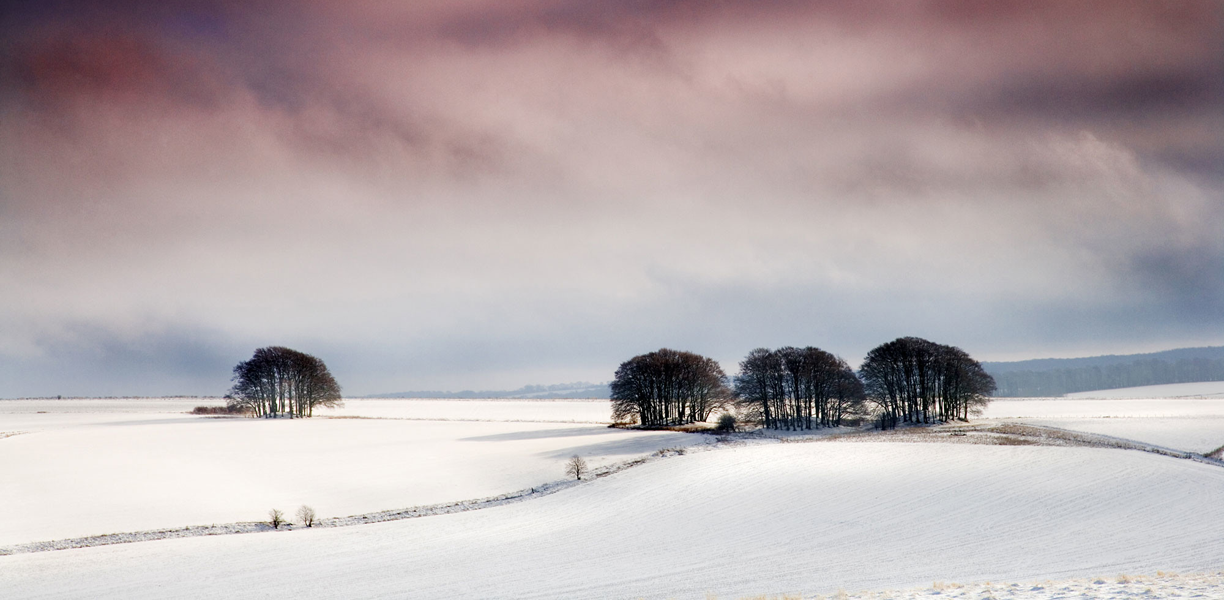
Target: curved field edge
x=1006 y=434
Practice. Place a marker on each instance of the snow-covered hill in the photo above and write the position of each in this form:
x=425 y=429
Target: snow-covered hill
x=78 y=468
x=1192 y=425
x=783 y=518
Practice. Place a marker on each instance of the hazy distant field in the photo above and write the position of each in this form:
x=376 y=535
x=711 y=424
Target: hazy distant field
x=1203 y=389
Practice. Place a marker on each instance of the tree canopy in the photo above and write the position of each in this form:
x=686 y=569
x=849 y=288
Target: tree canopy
x=668 y=387
x=914 y=380
x=797 y=388
x=278 y=381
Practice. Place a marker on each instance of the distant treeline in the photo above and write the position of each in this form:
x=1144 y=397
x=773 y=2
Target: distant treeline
x=1067 y=376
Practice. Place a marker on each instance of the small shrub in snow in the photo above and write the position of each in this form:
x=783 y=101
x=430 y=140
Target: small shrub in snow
x=275 y=518
x=306 y=515
x=219 y=410
x=576 y=467
x=678 y=450
x=1007 y=440
x=727 y=423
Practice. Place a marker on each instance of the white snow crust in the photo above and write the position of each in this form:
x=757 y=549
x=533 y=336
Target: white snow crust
x=1122 y=585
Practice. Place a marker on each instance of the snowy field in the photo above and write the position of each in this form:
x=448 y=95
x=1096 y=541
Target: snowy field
x=751 y=519
x=1202 y=389
x=87 y=467
x=1114 y=586
x=1193 y=425
x=800 y=519
x=548 y=411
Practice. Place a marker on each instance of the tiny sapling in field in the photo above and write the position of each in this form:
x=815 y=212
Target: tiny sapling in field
x=306 y=515
x=575 y=466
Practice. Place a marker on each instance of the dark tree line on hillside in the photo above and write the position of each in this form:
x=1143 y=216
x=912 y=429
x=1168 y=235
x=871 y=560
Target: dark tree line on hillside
x=278 y=381
x=668 y=387
x=797 y=388
x=1057 y=382
x=912 y=380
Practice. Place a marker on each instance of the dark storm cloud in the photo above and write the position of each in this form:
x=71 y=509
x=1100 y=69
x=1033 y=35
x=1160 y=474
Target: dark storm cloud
x=86 y=360
x=1189 y=279
x=486 y=194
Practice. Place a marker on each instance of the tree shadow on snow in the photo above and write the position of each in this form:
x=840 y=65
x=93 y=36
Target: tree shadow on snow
x=541 y=434
x=631 y=445
x=179 y=421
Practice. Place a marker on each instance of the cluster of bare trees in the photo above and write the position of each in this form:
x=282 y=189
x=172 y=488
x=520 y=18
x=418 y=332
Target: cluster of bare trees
x=914 y=380
x=797 y=388
x=906 y=380
x=305 y=515
x=278 y=382
x=668 y=387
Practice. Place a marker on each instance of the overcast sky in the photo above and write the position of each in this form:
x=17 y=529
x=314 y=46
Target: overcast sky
x=483 y=194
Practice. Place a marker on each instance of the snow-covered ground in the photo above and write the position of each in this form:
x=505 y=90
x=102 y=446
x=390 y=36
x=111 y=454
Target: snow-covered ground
x=1047 y=408
x=1193 y=425
x=568 y=411
x=800 y=519
x=748 y=520
x=144 y=464
x=1113 y=586
x=1197 y=434
x=1202 y=389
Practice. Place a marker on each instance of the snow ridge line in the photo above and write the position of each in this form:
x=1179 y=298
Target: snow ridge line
x=374 y=517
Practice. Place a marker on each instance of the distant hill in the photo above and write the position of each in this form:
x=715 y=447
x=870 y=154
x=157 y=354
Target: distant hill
x=581 y=389
x=1058 y=376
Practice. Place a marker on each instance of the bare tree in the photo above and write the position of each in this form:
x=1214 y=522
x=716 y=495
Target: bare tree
x=668 y=387
x=576 y=466
x=914 y=380
x=279 y=381
x=275 y=518
x=306 y=515
x=797 y=388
